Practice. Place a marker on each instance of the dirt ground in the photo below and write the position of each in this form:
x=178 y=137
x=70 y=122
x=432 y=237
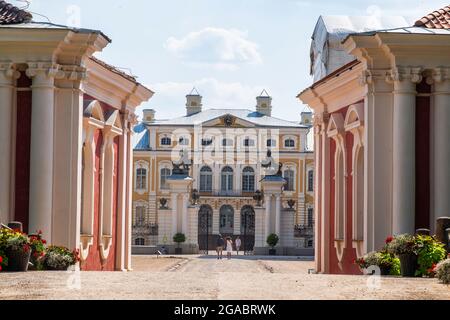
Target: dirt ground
x=197 y=277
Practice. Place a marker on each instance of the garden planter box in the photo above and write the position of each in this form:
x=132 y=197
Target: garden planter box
x=17 y=259
x=272 y=252
x=408 y=264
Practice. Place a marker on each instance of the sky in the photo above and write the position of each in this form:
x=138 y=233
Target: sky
x=230 y=50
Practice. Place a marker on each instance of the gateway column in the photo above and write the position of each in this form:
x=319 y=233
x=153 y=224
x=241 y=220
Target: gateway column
x=41 y=153
x=8 y=75
x=404 y=132
x=441 y=125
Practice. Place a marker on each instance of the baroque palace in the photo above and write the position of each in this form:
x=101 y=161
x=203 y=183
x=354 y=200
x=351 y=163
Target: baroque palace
x=225 y=194
x=381 y=99
x=65 y=147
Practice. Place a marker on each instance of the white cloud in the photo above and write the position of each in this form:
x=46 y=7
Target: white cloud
x=170 y=97
x=217 y=47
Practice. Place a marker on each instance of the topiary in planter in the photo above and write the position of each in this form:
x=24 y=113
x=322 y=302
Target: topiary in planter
x=272 y=241
x=179 y=238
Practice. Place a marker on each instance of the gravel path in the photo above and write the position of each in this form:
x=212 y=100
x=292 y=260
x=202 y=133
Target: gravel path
x=194 y=277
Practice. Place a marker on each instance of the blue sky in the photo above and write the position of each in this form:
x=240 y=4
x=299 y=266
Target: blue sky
x=229 y=49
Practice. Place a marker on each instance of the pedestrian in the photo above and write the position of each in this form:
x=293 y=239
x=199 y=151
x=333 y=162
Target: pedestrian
x=219 y=246
x=229 y=247
x=237 y=243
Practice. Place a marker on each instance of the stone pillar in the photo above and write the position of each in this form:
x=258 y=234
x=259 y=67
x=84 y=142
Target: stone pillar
x=404 y=149
x=325 y=192
x=8 y=75
x=267 y=215
x=278 y=214
x=174 y=200
x=441 y=126
x=41 y=153
x=317 y=211
x=185 y=220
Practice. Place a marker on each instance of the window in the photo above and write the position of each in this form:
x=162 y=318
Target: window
x=248 y=179
x=289 y=177
x=139 y=218
x=183 y=141
x=206 y=141
x=227 y=142
x=271 y=142
x=310 y=220
x=139 y=242
x=227 y=179
x=165 y=172
x=205 y=179
x=166 y=141
x=141 y=179
x=226 y=219
x=310 y=180
x=289 y=143
x=249 y=142
x=310 y=243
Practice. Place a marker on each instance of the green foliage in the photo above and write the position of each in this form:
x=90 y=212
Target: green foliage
x=58 y=257
x=272 y=240
x=382 y=259
x=429 y=252
x=395 y=268
x=179 y=238
x=402 y=244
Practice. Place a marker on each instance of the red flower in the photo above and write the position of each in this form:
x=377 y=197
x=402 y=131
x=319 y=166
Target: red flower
x=389 y=239
x=44 y=241
x=0 y=268
x=26 y=247
x=1 y=260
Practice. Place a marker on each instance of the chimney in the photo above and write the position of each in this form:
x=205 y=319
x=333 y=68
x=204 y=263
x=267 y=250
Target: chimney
x=264 y=103
x=306 y=118
x=149 y=115
x=193 y=102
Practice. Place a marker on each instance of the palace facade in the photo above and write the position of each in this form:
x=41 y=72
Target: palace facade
x=225 y=147
x=65 y=148
x=381 y=127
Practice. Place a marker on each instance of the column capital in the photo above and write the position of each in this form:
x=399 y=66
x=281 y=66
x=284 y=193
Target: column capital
x=440 y=74
x=8 y=73
x=44 y=70
x=407 y=74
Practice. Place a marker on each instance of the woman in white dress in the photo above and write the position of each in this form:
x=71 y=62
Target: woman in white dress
x=229 y=247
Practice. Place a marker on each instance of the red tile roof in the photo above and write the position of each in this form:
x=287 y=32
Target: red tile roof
x=439 y=19
x=10 y=14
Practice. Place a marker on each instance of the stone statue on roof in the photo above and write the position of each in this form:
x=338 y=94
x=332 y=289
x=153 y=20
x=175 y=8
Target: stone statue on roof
x=182 y=165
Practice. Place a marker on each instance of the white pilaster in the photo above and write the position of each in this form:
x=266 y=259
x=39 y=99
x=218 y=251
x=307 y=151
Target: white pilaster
x=8 y=75
x=404 y=150
x=41 y=150
x=185 y=219
x=278 y=215
x=174 y=200
x=441 y=126
x=268 y=201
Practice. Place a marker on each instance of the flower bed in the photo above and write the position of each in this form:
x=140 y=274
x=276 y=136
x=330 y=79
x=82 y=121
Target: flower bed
x=17 y=249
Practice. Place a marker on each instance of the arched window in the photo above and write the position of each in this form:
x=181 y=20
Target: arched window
x=271 y=143
x=141 y=178
x=139 y=218
x=310 y=221
x=226 y=142
x=139 y=242
x=310 y=180
x=289 y=143
x=183 y=141
x=227 y=179
x=164 y=173
x=249 y=142
x=166 y=141
x=248 y=179
x=289 y=177
x=205 y=179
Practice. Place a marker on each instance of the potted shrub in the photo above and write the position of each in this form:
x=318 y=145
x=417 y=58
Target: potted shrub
x=59 y=258
x=272 y=241
x=443 y=271
x=17 y=248
x=179 y=238
x=388 y=263
x=3 y=261
x=429 y=253
x=405 y=248
x=37 y=244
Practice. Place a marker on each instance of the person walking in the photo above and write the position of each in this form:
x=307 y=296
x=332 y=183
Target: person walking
x=229 y=247
x=237 y=243
x=219 y=247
